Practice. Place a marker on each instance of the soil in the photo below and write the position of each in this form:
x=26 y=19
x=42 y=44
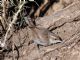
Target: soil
x=68 y=50
x=31 y=52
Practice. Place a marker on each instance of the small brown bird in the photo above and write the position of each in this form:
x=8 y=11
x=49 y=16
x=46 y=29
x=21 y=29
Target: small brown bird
x=42 y=36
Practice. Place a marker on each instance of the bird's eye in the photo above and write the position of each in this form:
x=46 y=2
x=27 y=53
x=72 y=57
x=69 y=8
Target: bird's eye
x=55 y=39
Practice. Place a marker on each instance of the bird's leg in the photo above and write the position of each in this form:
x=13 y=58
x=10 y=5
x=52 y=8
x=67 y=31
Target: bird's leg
x=38 y=46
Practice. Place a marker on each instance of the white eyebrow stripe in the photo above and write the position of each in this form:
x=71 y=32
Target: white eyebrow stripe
x=51 y=41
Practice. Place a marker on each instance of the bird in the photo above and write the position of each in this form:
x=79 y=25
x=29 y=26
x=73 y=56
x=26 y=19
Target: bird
x=42 y=36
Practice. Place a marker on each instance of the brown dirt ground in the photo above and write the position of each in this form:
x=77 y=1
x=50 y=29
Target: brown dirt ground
x=70 y=51
x=31 y=52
